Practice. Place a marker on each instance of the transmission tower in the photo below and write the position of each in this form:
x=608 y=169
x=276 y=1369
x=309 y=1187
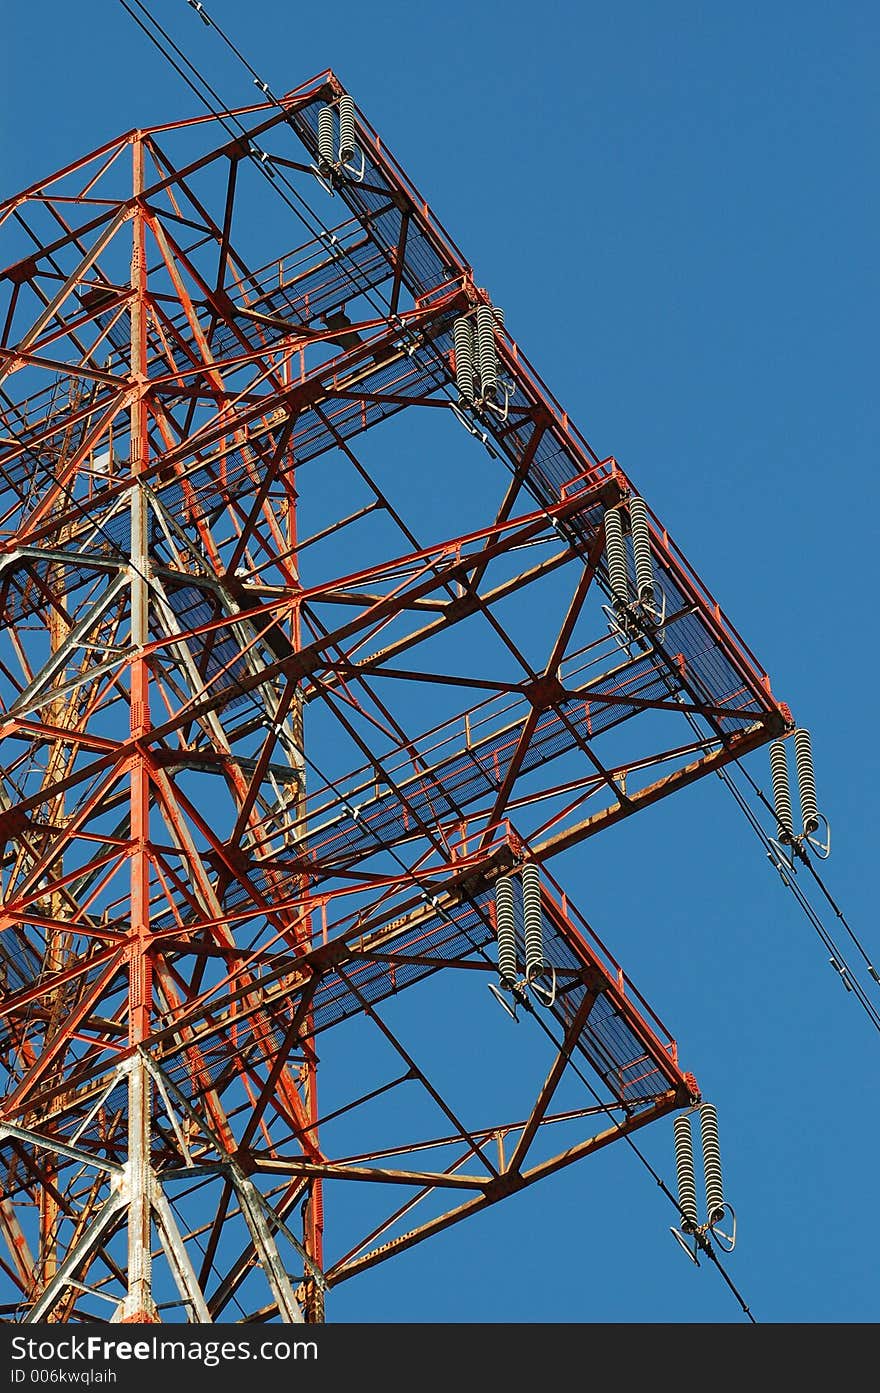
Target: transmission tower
x=284 y=764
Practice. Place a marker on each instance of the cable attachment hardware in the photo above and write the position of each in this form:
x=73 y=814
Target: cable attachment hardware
x=508 y=1006
x=637 y=612
x=523 y=908
x=615 y=556
x=505 y=387
x=352 y=160
x=691 y=1231
x=685 y=1173
x=481 y=387
x=781 y=858
x=842 y=973
x=266 y=90
x=811 y=818
x=200 y=11
x=338 y=157
x=325 y=139
x=711 y=1162
x=533 y=921
x=505 y=929
x=650 y=599
x=781 y=792
x=263 y=158
x=533 y=931
x=486 y=352
x=469 y=426
x=463 y=340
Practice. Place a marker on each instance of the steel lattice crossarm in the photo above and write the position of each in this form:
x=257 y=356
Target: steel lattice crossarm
x=290 y=710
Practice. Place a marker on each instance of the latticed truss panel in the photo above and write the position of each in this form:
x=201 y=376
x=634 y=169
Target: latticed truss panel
x=282 y=696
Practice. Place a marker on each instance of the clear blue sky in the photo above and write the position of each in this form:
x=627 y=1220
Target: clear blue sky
x=677 y=205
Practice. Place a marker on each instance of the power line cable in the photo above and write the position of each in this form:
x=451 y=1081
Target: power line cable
x=260 y=158
x=807 y=861
x=410 y=874
x=837 y=958
x=705 y=1246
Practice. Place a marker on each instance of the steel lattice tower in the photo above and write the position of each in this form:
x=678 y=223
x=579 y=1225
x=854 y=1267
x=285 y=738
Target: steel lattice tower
x=263 y=769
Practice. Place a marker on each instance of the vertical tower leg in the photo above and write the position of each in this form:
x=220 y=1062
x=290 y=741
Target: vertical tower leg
x=139 y=1303
x=313 y=1208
